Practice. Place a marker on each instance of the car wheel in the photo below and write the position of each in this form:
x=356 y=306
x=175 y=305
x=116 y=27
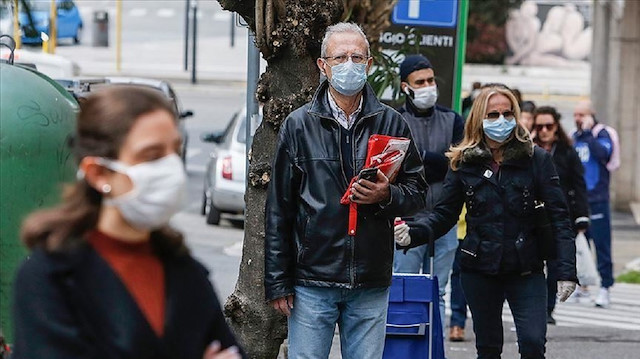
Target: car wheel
x=212 y=213
x=78 y=37
x=237 y=223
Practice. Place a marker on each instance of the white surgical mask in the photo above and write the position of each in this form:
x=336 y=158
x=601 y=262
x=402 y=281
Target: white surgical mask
x=423 y=98
x=158 y=191
x=348 y=78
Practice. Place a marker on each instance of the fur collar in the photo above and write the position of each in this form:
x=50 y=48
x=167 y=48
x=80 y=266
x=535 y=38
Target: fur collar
x=514 y=151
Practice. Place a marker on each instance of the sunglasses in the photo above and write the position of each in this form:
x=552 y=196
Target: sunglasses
x=548 y=126
x=496 y=115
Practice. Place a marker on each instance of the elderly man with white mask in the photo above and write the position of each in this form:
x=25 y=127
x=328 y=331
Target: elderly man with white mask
x=317 y=272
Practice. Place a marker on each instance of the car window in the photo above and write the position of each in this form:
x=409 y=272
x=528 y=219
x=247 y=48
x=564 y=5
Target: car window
x=242 y=132
x=65 y=5
x=35 y=5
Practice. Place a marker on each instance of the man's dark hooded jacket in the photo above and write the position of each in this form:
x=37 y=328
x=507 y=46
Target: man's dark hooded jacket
x=306 y=226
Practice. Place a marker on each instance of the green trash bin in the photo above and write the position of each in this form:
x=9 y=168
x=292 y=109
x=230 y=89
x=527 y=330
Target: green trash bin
x=37 y=116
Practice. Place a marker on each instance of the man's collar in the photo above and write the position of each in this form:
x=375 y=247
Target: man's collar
x=416 y=111
x=335 y=107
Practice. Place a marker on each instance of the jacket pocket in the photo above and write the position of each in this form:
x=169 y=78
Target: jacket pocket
x=303 y=239
x=489 y=257
x=527 y=252
x=469 y=250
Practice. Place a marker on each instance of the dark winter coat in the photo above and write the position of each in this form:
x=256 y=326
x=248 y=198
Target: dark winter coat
x=500 y=212
x=306 y=239
x=571 y=173
x=73 y=305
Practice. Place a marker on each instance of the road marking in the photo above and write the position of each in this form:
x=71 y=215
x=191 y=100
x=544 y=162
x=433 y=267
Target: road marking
x=624 y=312
x=138 y=12
x=165 y=12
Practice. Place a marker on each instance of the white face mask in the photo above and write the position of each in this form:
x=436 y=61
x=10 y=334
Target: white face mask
x=424 y=97
x=158 y=191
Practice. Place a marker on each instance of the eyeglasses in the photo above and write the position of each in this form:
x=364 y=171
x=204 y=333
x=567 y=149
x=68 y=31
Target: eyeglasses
x=548 y=126
x=496 y=115
x=341 y=59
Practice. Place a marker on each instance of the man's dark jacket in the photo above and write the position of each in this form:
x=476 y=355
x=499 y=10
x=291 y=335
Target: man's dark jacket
x=71 y=304
x=500 y=212
x=306 y=226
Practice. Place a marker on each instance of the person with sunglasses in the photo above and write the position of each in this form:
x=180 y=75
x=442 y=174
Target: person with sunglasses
x=435 y=128
x=498 y=173
x=552 y=137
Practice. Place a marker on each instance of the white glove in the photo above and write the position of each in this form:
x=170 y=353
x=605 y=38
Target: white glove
x=565 y=288
x=401 y=234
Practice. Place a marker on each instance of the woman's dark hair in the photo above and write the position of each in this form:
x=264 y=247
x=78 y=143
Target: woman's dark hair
x=527 y=106
x=560 y=132
x=103 y=124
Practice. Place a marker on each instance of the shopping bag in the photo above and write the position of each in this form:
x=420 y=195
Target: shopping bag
x=385 y=153
x=585 y=265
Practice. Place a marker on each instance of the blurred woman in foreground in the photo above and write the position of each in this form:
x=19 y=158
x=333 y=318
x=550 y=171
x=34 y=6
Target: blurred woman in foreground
x=107 y=277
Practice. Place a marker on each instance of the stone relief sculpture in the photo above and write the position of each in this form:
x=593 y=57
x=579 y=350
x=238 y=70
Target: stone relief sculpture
x=562 y=40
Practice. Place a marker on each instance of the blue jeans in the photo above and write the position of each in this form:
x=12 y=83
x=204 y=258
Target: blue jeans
x=458 y=302
x=418 y=257
x=527 y=298
x=361 y=315
x=600 y=232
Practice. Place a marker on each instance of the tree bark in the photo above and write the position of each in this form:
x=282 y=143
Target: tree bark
x=291 y=47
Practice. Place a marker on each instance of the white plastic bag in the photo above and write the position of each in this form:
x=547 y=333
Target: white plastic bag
x=585 y=265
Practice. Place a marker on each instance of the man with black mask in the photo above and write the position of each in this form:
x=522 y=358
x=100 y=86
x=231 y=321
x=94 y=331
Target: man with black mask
x=434 y=129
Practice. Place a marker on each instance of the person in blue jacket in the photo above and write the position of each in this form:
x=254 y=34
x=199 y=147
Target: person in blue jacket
x=595 y=151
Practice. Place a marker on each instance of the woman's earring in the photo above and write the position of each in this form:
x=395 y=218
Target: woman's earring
x=106 y=188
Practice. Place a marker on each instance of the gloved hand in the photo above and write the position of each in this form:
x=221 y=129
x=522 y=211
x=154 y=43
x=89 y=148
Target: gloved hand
x=565 y=288
x=401 y=233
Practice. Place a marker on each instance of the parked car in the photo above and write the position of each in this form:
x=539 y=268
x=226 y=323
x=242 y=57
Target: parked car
x=6 y=19
x=167 y=90
x=54 y=66
x=68 y=21
x=225 y=175
x=81 y=88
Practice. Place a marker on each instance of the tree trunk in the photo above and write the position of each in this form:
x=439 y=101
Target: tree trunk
x=289 y=35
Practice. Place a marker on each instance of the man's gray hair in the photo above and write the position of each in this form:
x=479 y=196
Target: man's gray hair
x=342 y=27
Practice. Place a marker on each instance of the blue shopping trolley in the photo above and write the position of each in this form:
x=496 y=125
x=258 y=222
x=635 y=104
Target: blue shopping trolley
x=414 y=326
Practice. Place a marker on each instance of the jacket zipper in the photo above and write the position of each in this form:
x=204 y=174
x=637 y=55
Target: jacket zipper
x=351 y=239
x=352 y=261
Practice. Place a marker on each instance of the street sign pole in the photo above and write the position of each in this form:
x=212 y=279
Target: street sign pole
x=253 y=73
x=16 y=26
x=460 y=54
x=118 y=35
x=53 y=31
x=186 y=35
x=194 y=6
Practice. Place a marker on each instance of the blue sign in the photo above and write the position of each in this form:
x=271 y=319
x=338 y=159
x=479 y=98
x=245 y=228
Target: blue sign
x=436 y=13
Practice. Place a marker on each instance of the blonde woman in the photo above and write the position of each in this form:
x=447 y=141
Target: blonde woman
x=498 y=173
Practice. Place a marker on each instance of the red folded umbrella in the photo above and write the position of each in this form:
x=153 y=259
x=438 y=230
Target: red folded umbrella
x=385 y=153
